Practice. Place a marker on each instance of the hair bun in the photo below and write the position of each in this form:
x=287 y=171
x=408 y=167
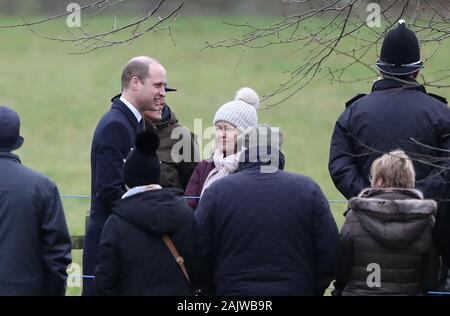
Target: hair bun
x=248 y=95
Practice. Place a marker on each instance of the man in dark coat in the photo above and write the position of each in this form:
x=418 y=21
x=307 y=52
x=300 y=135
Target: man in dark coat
x=177 y=167
x=143 y=89
x=398 y=113
x=34 y=241
x=264 y=231
x=133 y=258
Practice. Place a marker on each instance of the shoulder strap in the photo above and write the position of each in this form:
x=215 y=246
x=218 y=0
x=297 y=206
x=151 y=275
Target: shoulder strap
x=179 y=259
x=356 y=97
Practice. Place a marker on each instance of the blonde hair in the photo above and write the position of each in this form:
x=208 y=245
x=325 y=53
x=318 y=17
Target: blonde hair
x=395 y=169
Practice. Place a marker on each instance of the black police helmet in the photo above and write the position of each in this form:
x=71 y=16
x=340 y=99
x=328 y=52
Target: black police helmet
x=400 y=52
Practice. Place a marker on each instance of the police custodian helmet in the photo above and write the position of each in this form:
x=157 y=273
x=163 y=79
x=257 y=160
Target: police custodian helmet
x=400 y=52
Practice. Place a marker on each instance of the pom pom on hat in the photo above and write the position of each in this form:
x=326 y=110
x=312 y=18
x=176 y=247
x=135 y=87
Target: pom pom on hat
x=241 y=112
x=248 y=95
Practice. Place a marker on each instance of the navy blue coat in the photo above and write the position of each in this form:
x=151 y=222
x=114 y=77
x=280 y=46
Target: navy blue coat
x=34 y=240
x=113 y=139
x=265 y=234
x=393 y=116
x=133 y=258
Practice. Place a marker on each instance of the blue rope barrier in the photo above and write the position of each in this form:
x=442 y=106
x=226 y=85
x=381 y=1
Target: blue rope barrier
x=438 y=293
x=83 y=276
x=75 y=196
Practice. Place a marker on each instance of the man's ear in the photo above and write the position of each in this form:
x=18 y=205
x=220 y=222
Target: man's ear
x=134 y=83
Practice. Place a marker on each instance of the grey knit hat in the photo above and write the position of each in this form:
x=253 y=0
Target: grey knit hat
x=241 y=112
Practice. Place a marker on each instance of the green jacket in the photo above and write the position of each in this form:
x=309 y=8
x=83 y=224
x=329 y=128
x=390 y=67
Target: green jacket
x=176 y=169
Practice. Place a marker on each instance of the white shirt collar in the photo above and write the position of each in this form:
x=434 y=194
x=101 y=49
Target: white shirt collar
x=132 y=108
x=140 y=189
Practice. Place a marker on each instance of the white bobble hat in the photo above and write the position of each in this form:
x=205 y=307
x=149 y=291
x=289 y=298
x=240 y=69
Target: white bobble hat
x=241 y=112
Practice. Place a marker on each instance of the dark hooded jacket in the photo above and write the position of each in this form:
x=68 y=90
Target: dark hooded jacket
x=133 y=259
x=390 y=227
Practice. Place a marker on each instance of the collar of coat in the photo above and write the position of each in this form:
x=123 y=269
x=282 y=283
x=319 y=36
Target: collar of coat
x=8 y=155
x=119 y=105
x=255 y=158
x=393 y=201
x=393 y=83
x=168 y=118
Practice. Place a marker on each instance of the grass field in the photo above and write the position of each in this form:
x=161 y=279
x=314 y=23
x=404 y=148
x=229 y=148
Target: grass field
x=60 y=98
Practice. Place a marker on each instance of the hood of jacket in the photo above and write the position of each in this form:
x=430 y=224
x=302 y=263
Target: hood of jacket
x=157 y=212
x=167 y=118
x=395 y=217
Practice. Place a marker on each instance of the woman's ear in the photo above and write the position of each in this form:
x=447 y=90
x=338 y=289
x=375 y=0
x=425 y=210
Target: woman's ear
x=379 y=183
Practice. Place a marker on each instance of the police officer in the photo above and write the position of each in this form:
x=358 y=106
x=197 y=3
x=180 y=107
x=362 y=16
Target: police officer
x=397 y=113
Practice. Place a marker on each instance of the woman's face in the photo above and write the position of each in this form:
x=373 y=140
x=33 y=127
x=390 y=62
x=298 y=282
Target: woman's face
x=226 y=138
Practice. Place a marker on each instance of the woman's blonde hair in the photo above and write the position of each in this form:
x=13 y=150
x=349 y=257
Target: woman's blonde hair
x=395 y=169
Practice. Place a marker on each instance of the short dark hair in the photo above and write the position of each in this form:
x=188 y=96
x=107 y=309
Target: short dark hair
x=402 y=77
x=134 y=68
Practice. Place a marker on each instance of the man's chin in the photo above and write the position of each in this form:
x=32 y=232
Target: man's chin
x=154 y=117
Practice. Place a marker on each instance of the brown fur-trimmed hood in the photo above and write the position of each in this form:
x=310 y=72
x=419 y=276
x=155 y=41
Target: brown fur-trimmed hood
x=394 y=216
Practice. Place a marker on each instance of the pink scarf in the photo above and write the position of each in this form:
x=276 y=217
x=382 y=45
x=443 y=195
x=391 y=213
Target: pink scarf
x=223 y=167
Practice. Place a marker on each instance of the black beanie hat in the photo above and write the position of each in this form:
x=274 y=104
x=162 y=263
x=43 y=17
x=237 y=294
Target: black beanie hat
x=142 y=165
x=400 y=52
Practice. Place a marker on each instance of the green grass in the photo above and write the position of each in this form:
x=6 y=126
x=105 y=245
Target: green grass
x=61 y=97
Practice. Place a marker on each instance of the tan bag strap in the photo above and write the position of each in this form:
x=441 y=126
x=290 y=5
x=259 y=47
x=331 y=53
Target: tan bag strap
x=179 y=259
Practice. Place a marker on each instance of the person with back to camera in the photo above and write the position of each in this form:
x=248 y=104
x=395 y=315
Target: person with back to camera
x=397 y=113
x=148 y=228
x=389 y=227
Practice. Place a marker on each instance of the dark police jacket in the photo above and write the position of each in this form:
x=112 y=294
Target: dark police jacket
x=34 y=241
x=392 y=116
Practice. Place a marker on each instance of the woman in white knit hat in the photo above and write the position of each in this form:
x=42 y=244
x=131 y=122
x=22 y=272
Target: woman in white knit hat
x=230 y=120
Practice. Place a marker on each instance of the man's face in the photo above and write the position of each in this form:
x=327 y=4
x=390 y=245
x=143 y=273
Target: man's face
x=151 y=94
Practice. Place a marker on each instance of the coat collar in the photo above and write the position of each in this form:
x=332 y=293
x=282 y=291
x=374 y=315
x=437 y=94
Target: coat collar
x=168 y=118
x=246 y=163
x=372 y=192
x=119 y=105
x=11 y=156
x=385 y=84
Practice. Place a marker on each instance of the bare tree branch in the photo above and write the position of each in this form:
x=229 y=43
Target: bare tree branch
x=349 y=36
x=86 y=41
